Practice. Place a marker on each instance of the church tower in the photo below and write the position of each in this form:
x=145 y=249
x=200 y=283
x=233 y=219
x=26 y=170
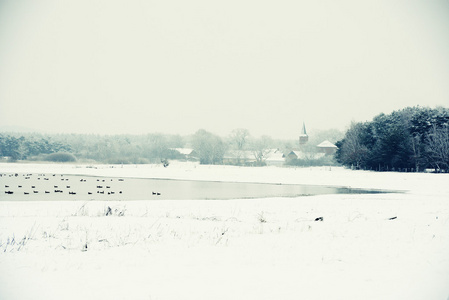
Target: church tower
x=303 y=137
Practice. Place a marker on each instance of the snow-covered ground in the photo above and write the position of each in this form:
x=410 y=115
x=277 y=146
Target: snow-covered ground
x=234 y=249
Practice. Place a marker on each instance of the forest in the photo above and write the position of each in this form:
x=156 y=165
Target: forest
x=411 y=139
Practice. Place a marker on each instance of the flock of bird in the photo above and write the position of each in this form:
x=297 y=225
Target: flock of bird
x=60 y=184
x=57 y=188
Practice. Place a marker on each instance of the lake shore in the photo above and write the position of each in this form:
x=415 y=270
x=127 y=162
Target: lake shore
x=379 y=246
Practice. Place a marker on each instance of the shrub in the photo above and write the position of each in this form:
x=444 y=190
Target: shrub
x=60 y=157
x=312 y=162
x=127 y=160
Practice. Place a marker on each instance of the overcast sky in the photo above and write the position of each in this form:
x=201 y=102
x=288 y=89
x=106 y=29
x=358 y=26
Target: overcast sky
x=177 y=66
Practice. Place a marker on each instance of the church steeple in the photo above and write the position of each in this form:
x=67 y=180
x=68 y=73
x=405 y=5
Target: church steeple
x=303 y=137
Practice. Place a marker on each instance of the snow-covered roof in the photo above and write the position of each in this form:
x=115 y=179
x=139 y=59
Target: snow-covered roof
x=327 y=144
x=185 y=151
x=275 y=156
x=295 y=152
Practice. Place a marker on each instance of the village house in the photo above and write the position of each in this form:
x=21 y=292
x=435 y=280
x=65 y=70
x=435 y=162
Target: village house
x=327 y=148
x=188 y=153
x=275 y=158
x=239 y=157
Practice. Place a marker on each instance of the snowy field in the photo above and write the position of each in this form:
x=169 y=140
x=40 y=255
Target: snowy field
x=370 y=246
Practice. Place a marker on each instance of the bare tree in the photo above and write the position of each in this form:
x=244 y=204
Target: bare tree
x=239 y=138
x=416 y=146
x=261 y=148
x=238 y=141
x=438 y=147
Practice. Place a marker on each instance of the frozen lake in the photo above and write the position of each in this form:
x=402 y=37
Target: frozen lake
x=43 y=187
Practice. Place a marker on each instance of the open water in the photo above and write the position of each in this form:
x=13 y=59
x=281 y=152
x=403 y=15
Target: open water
x=48 y=187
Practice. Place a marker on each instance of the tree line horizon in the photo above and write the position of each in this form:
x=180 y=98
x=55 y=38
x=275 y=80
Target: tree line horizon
x=146 y=148
x=412 y=139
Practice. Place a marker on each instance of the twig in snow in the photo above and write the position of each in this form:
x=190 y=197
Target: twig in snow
x=81 y=210
x=261 y=218
x=222 y=234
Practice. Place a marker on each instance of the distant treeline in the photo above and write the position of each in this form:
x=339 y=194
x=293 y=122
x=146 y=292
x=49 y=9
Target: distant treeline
x=97 y=148
x=207 y=147
x=411 y=139
x=117 y=149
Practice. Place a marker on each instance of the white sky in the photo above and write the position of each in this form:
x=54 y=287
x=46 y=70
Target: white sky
x=177 y=66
